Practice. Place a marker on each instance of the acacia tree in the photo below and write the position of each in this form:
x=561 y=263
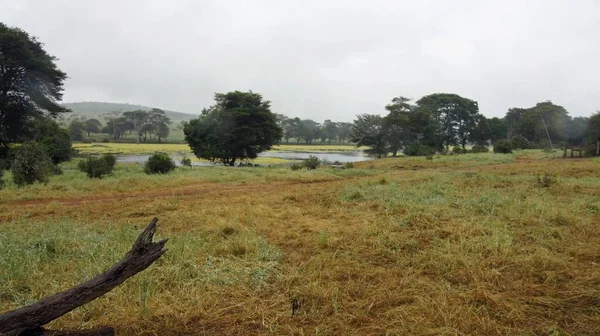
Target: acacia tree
x=139 y=119
x=92 y=126
x=368 y=130
x=31 y=85
x=397 y=124
x=239 y=126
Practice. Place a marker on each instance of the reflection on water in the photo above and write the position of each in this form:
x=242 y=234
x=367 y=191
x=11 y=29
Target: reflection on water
x=348 y=156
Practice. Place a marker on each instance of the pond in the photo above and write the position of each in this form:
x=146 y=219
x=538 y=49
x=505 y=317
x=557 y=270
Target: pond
x=342 y=157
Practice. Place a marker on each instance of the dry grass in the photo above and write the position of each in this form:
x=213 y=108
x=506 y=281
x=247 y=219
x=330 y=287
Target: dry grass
x=459 y=246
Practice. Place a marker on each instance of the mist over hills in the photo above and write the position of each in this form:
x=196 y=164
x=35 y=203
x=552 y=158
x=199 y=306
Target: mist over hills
x=97 y=109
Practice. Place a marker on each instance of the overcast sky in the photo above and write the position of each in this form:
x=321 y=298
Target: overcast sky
x=321 y=59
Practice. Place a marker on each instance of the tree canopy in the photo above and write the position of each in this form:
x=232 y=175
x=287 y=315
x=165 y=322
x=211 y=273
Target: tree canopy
x=30 y=85
x=239 y=126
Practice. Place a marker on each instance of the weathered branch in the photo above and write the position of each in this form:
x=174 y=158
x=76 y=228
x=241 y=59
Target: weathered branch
x=30 y=319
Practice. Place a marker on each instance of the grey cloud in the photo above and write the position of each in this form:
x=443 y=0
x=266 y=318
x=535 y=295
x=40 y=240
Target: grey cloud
x=321 y=59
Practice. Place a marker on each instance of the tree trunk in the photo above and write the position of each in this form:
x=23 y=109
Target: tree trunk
x=29 y=320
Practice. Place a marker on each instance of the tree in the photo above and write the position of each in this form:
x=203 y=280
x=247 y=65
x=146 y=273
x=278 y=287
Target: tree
x=577 y=130
x=330 y=130
x=159 y=123
x=481 y=133
x=397 y=124
x=55 y=140
x=452 y=117
x=289 y=127
x=498 y=129
x=92 y=126
x=30 y=85
x=76 y=129
x=139 y=119
x=593 y=134
x=239 y=126
x=344 y=131
x=368 y=131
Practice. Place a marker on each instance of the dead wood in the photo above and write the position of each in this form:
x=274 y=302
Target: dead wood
x=29 y=320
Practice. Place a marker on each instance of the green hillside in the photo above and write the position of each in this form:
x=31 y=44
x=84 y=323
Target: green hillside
x=97 y=109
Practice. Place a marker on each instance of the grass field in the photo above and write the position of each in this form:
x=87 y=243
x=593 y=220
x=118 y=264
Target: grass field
x=147 y=148
x=483 y=244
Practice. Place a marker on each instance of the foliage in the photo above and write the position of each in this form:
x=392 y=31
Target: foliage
x=76 y=129
x=31 y=164
x=31 y=85
x=296 y=166
x=503 y=147
x=159 y=163
x=451 y=119
x=520 y=142
x=418 y=149
x=368 y=130
x=312 y=162
x=186 y=161
x=239 y=126
x=349 y=165
x=1 y=178
x=480 y=149
x=97 y=167
x=396 y=125
x=593 y=135
x=138 y=119
x=54 y=139
x=92 y=126
x=458 y=150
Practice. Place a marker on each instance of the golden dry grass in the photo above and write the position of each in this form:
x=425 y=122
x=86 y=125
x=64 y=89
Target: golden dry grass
x=449 y=246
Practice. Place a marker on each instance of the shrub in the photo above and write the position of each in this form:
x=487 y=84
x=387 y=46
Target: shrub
x=480 y=149
x=56 y=170
x=159 y=163
x=349 y=165
x=520 y=142
x=31 y=164
x=503 y=147
x=8 y=159
x=458 y=150
x=312 y=162
x=417 y=149
x=296 y=166
x=106 y=140
x=98 y=167
x=186 y=161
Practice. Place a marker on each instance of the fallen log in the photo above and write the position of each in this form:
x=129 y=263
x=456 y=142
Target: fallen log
x=29 y=320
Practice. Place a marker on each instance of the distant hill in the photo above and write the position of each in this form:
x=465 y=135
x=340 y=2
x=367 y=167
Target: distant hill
x=97 y=109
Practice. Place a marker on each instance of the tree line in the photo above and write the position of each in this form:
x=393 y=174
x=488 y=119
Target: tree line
x=437 y=122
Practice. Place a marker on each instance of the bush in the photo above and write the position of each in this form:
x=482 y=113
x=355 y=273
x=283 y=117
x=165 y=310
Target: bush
x=503 y=147
x=159 y=163
x=459 y=150
x=86 y=140
x=8 y=159
x=186 y=161
x=349 y=165
x=106 y=140
x=296 y=166
x=55 y=140
x=520 y=142
x=312 y=162
x=98 y=167
x=417 y=149
x=56 y=170
x=480 y=149
x=31 y=164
